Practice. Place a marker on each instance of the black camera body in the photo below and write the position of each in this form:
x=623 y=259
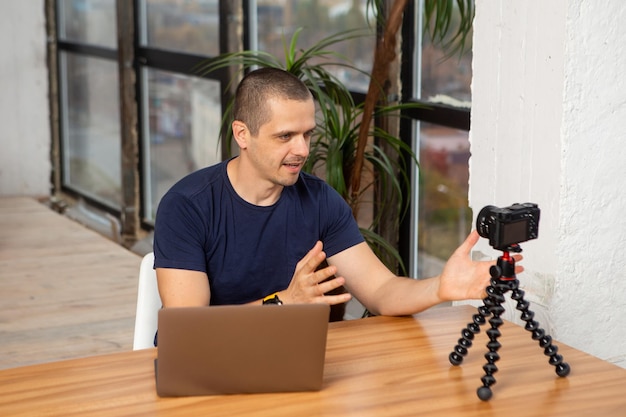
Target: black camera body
x=508 y=226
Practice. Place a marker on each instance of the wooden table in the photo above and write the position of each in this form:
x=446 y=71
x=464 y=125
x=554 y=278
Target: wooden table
x=377 y=366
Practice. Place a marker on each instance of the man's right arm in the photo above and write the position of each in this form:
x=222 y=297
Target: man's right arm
x=183 y=288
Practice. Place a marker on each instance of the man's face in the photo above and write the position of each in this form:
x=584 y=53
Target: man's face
x=281 y=147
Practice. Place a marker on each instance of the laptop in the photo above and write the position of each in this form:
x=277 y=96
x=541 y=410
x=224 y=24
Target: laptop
x=241 y=349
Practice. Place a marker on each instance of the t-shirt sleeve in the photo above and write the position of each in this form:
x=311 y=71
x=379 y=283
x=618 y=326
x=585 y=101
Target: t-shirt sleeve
x=342 y=230
x=179 y=234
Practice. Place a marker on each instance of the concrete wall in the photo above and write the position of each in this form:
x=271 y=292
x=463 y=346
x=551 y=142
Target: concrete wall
x=24 y=124
x=548 y=121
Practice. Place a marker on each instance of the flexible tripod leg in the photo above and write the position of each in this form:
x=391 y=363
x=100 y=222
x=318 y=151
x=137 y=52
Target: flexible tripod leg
x=467 y=334
x=492 y=307
x=493 y=300
x=498 y=289
x=562 y=369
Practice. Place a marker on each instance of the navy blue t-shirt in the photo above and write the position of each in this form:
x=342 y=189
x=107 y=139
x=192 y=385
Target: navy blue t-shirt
x=247 y=251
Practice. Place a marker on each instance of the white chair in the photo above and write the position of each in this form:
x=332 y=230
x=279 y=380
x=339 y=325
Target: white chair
x=148 y=305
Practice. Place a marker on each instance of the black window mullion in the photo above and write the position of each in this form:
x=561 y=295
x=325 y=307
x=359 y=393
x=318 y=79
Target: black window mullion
x=88 y=50
x=181 y=63
x=440 y=114
x=407 y=75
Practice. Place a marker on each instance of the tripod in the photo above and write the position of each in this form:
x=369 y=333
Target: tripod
x=503 y=279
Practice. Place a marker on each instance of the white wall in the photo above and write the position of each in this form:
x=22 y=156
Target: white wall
x=548 y=120
x=24 y=111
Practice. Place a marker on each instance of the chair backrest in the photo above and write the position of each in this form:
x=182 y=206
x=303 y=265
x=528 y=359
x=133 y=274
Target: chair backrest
x=148 y=305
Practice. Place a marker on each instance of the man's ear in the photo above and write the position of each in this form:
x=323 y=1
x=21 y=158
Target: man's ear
x=240 y=133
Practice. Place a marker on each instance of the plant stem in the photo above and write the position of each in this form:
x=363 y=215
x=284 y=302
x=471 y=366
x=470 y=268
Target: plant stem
x=383 y=56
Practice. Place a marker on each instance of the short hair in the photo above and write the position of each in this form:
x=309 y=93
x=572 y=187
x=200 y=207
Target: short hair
x=261 y=85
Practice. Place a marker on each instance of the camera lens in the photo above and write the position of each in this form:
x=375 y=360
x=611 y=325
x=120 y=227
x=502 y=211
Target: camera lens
x=485 y=220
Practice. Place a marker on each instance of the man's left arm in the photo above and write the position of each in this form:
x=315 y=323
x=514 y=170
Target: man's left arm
x=384 y=293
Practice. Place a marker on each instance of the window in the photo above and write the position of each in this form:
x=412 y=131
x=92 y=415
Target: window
x=181 y=112
x=189 y=27
x=444 y=218
x=90 y=22
x=181 y=130
x=278 y=20
x=91 y=126
x=440 y=218
x=90 y=107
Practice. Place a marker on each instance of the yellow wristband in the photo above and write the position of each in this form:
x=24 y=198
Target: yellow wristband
x=272 y=299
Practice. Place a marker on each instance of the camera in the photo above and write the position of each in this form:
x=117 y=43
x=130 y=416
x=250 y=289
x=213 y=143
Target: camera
x=508 y=226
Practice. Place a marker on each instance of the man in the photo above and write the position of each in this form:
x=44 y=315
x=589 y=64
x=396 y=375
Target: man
x=256 y=228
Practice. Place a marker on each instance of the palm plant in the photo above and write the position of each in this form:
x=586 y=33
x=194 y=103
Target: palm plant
x=449 y=25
